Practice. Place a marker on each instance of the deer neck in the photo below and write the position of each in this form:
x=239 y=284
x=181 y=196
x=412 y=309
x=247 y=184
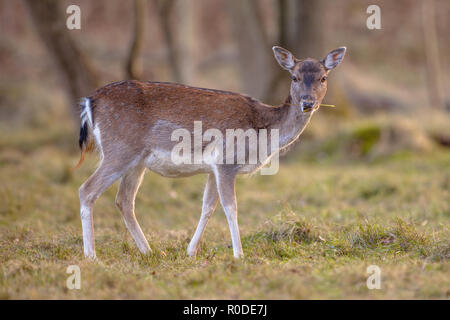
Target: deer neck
x=290 y=120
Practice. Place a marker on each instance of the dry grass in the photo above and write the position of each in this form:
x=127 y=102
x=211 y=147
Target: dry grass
x=308 y=232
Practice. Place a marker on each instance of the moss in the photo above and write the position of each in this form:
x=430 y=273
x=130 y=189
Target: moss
x=365 y=138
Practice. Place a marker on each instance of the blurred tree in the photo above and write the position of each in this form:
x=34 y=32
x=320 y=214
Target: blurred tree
x=255 y=55
x=165 y=9
x=433 y=68
x=300 y=31
x=133 y=64
x=302 y=23
x=187 y=37
x=76 y=70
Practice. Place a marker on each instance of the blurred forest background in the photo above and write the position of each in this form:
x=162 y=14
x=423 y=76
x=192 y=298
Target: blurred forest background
x=226 y=45
x=382 y=153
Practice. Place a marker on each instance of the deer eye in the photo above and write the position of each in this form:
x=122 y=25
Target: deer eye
x=294 y=78
x=323 y=79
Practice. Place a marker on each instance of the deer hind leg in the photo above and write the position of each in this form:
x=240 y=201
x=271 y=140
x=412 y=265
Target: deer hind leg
x=129 y=185
x=225 y=180
x=89 y=192
x=210 y=199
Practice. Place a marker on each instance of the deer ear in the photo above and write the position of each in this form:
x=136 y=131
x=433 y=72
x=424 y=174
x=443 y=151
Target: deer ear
x=334 y=58
x=284 y=58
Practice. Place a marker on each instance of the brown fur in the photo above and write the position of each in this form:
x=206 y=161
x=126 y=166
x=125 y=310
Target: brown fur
x=132 y=122
x=130 y=109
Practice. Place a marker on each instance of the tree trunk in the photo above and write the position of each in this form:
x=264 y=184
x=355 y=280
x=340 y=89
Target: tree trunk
x=134 y=64
x=186 y=37
x=165 y=8
x=304 y=30
x=76 y=71
x=255 y=54
x=433 y=69
x=299 y=31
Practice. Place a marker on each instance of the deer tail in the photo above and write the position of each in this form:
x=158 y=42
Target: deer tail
x=85 y=141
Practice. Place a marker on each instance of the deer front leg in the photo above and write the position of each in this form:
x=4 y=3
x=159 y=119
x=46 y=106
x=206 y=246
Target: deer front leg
x=225 y=180
x=210 y=199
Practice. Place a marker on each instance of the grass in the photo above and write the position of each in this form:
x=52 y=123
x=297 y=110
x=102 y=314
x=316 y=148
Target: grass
x=309 y=232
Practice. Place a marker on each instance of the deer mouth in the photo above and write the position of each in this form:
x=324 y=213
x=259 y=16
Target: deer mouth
x=308 y=107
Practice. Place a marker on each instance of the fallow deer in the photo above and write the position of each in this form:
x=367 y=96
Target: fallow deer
x=131 y=122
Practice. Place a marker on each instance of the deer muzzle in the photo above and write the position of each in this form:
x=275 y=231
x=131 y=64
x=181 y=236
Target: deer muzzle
x=307 y=103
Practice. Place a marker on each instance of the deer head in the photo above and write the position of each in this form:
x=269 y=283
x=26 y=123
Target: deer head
x=309 y=76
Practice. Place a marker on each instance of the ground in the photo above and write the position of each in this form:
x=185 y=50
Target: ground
x=308 y=232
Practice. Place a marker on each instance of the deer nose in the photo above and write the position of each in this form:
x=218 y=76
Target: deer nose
x=307 y=104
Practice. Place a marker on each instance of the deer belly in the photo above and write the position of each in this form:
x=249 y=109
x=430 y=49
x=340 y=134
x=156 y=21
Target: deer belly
x=160 y=161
